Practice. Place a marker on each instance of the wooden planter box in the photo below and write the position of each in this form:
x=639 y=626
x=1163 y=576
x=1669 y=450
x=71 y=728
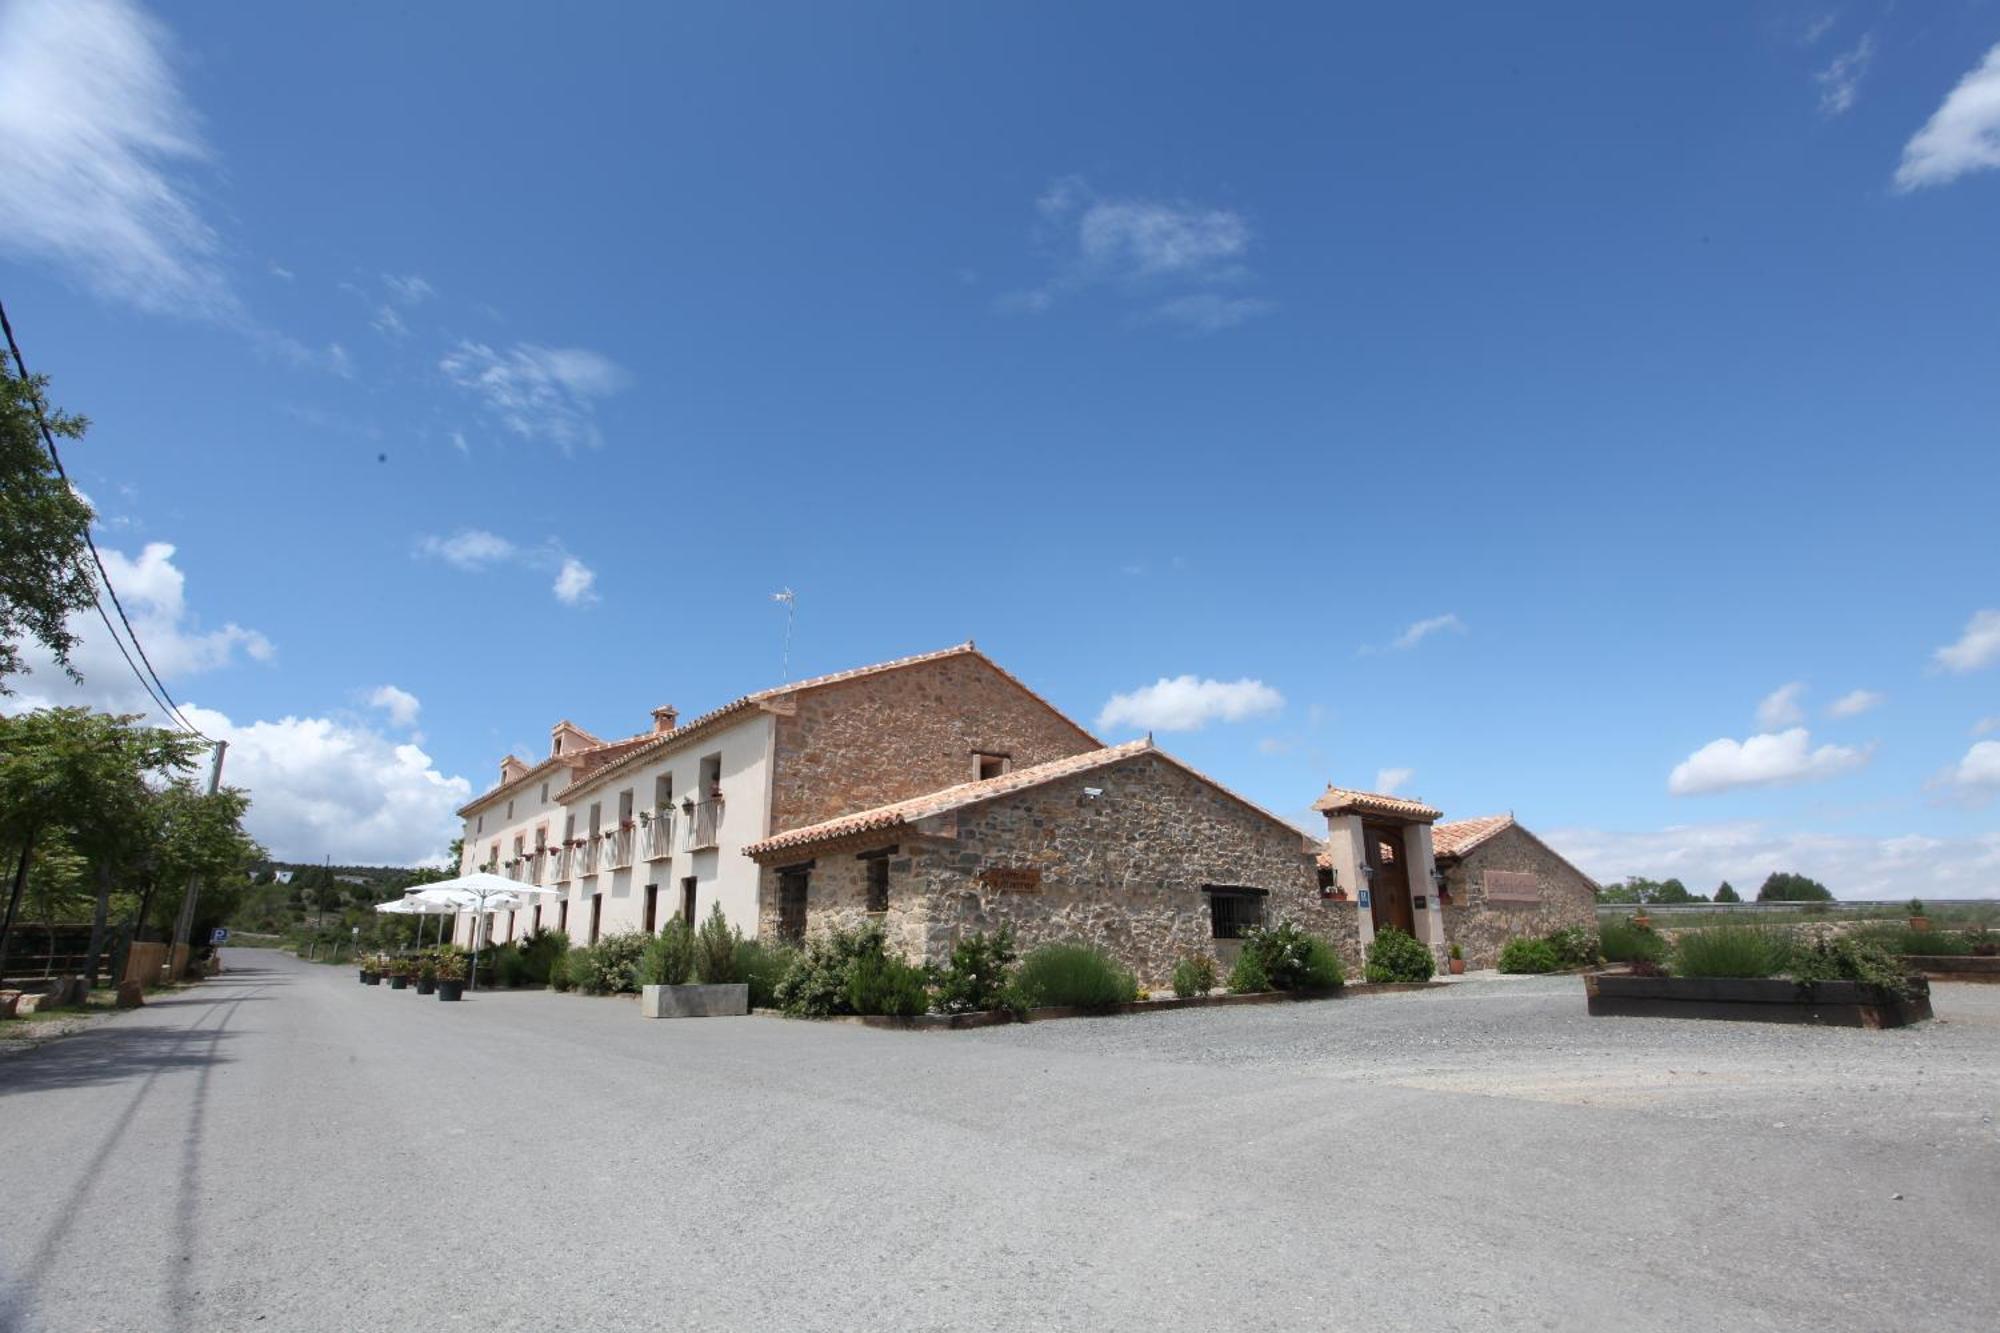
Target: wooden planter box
x=1852 y=1004
x=731 y=1001
x=996 y=1017
x=1953 y=967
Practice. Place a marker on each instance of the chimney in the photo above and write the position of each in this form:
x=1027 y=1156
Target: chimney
x=664 y=719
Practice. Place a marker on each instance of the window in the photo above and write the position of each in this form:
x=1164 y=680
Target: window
x=624 y=807
x=663 y=791
x=878 y=879
x=545 y=793
x=596 y=915
x=562 y=915
x=480 y=827
x=536 y=920
x=793 y=886
x=986 y=765
x=711 y=778
x=687 y=899
x=1234 y=912
x=652 y=906
x=510 y=811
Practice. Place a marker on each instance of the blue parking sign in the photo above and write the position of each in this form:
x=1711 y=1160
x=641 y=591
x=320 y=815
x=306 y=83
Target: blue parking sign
x=218 y=935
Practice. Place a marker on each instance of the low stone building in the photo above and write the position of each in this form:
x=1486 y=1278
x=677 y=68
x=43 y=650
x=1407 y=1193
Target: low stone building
x=1501 y=881
x=1124 y=848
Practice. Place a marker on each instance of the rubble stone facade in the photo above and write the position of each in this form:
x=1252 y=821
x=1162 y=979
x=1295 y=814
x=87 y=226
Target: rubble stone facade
x=1480 y=923
x=1124 y=870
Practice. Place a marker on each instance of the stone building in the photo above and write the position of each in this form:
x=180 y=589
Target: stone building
x=1501 y=881
x=1125 y=848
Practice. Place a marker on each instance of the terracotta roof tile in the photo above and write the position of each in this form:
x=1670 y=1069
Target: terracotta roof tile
x=1339 y=799
x=1462 y=835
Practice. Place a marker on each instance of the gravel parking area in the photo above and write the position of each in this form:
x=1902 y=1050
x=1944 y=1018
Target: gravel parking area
x=282 y=1148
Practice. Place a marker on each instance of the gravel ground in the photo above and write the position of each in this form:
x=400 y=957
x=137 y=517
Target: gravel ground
x=283 y=1148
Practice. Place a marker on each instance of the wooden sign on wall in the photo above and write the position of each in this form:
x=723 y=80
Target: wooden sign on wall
x=1007 y=879
x=1513 y=886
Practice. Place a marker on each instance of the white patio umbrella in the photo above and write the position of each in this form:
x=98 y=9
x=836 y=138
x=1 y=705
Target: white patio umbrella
x=414 y=906
x=480 y=893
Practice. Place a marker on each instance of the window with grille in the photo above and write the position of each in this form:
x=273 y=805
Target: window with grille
x=1234 y=912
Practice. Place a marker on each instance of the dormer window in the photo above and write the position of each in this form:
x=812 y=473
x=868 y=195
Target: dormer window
x=986 y=764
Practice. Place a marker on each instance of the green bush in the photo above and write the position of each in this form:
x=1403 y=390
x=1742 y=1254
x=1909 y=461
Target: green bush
x=1731 y=951
x=762 y=966
x=1396 y=955
x=1900 y=939
x=715 y=949
x=1194 y=976
x=1845 y=958
x=509 y=968
x=1525 y=953
x=1623 y=942
x=1247 y=976
x=979 y=974
x=559 y=971
x=539 y=951
x=669 y=956
x=816 y=983
x=1576 y=946
x=1073 y=976
x=610 y=966
x=879 y=984
x=1293 y=960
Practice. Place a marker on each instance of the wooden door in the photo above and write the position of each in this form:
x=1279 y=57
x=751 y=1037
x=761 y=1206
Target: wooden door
x=792 y=888
x=1389 y=886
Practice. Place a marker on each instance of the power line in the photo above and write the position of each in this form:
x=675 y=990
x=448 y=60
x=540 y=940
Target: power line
x=157 y=688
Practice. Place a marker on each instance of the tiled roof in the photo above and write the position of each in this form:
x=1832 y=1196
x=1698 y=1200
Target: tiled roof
x=1339 y=799
x=1462 y=835
x=903 y=813
x=666 y=740
x=585 y=759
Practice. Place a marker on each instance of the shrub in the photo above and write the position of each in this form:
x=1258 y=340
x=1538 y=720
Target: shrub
x=1073 y=975
x=1730 y=951
x=1294 y=960
x=715 y=949
x=1524 y=953
x=669 y=956
x=509 y=967
x=1194 y=976
x=762 y=966
x=1248 y=977
x=1845 y=958
x=539 y=951
x=1576 y=946
x=979 y=974
x=879 y=984
x=609 y=966
x=559 y=971
x=816 y=983
x=1623 y=942
x=1396 y=955
x=1896 y=939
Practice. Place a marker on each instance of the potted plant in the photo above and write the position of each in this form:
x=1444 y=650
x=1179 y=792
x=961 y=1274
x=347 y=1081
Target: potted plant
x=397 y=970
x=1918 y=921
x=371 y=973
x=427 y=973
x=1456 y=962
x=450 y=975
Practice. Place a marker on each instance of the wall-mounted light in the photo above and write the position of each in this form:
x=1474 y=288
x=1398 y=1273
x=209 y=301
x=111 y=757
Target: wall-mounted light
x=1093 y=792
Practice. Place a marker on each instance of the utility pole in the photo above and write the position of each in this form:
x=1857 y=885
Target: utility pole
x=184 y=923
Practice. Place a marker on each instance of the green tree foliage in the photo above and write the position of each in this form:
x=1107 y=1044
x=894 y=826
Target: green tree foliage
x=1786 y=887
x=1727 y=893
x=44 y=564
x=1640 y=891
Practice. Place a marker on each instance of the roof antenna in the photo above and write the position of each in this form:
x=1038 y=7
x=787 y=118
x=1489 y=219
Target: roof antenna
x=790 y=599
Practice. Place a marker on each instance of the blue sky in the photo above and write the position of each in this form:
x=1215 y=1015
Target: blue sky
x=1504 y=407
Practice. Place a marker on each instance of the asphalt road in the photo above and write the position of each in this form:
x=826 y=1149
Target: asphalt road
x=285 y=1149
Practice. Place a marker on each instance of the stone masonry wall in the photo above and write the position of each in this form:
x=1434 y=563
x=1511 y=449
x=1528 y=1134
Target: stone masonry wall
x=1123 y=872
x=897 y=734
x=1480 y=927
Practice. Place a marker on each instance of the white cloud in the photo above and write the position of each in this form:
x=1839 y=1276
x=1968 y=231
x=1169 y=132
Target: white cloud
x=1417 y=633
x=538 y=393
x=1761 y=761
x=1963 y=135
x=1979 y=646
x=279 y=271
x=470 y=549
x=324 y=788
x=1186 y=703
x=1276 y=745
x=409 y=289
x=1855 y=702
x=573 y=582
x=458 y=443
x=1703 y=855
x=1148 y=249
x=401 y=706
x=1388 y=781
x=1780 y=708
x=94 y=136
x=1986 y=726
x=1840 y=81
x=389 y=323
x=1980 y=767
x=1209 y=312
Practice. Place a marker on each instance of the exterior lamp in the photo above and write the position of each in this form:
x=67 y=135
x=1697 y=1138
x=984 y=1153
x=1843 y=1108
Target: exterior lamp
x=1443 y=890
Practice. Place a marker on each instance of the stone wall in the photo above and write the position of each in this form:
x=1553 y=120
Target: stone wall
x=1122 y=871
x=1480 y=926
x=886 y=737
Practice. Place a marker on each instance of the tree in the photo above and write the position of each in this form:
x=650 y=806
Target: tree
x=87 y=773
x=45 y=567
x=1727 y=894
x=1644 y=891
x=1784 y=886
